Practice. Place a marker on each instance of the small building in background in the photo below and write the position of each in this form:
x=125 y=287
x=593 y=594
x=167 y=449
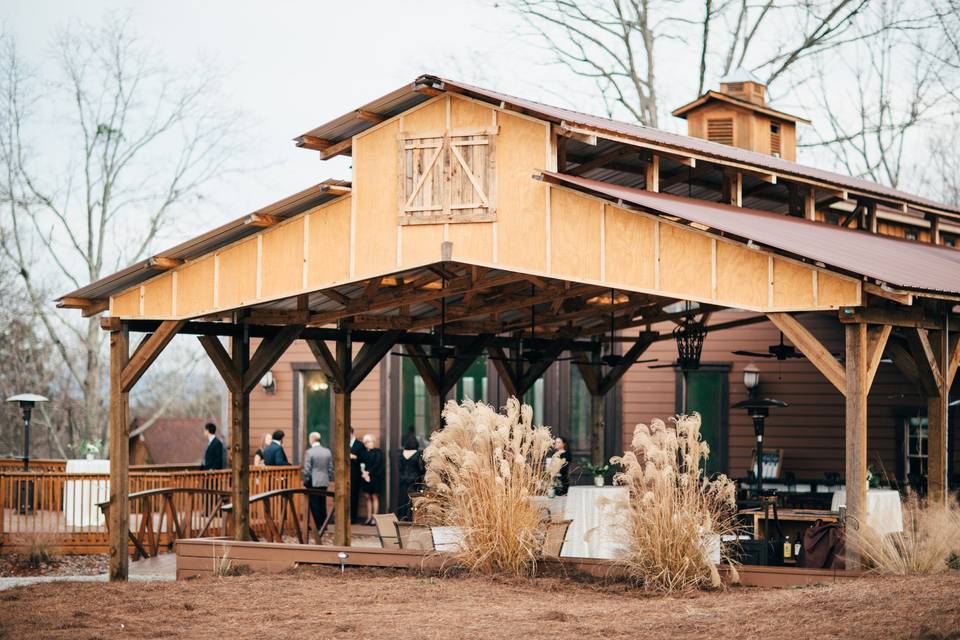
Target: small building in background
x=169 y=441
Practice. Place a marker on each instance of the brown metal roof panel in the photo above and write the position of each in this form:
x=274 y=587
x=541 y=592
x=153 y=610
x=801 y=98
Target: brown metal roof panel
x=349 y=124
x=901 y=263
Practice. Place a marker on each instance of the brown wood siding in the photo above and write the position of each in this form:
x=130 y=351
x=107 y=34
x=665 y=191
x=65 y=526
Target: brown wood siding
x=810 y=430
x=269 y=412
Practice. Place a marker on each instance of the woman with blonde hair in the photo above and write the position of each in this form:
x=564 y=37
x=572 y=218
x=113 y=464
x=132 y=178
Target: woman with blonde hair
x=373 y=476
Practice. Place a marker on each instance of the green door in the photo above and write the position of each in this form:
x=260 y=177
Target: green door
x=705 y=391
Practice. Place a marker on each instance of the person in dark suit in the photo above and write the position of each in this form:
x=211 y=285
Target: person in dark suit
x=316 y=473
x=358 y=456
x=215 y=456
x=273 y=454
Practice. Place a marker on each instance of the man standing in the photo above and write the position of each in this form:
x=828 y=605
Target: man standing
x=358 y=454
x=273 y=454
x=317 y=471
x=215 y=456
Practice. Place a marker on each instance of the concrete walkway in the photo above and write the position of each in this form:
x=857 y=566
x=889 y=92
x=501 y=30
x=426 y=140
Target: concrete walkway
x=158 y=569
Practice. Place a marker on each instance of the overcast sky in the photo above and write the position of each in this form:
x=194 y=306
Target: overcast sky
x=294 y=65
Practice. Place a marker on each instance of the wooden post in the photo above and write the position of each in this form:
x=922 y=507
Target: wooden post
x=856 y=436
x=652 y=173
x=597 y=429
x=810 y=204
x=341 y=446
x=937 y=407
x=119 y=524
x=240 y=439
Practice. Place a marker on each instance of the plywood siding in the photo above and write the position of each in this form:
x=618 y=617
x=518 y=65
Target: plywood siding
x=375 y=200
x=810 y=430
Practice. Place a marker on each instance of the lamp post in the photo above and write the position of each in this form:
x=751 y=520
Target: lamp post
x=26 y=402
x=758 y=409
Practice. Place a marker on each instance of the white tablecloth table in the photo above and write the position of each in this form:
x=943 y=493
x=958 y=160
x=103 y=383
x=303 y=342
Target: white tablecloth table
x=884 y=514
x=593 y=532
x=80 y=496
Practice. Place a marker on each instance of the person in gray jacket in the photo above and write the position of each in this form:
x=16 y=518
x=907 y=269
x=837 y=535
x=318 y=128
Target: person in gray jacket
x=317 y=471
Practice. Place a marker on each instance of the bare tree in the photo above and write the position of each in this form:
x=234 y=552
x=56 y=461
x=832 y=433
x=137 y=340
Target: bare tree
x=873 y=101
x=96 y=162
x=616 y=43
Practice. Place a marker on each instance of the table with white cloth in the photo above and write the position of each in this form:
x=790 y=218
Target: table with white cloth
x=597 y=522
x=884 y=514
x=81 y=496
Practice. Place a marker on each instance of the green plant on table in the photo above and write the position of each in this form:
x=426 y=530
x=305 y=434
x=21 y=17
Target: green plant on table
x=596 y=469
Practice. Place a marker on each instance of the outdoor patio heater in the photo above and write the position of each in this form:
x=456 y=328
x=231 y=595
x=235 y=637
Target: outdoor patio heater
x=24 y=486
x=758 y=409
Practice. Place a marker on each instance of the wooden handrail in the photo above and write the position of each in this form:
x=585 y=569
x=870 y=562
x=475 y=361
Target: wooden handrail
x=164 y=490
x=288 y=511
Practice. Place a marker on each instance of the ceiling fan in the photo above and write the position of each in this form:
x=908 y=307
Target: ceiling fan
x=779 y=351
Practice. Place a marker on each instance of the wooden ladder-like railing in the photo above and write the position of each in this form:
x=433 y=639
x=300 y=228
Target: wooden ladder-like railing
x=272 y=528
x=171 y=513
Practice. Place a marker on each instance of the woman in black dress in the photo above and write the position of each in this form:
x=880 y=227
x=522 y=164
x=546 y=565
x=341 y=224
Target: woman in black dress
x=410 y=472
x=560 y=449
x=373 y=476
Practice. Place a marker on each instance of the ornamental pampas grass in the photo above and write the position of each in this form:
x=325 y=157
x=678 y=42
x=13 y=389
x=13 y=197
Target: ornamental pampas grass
x=673 y=508
x=930 y=536
x=482 y=469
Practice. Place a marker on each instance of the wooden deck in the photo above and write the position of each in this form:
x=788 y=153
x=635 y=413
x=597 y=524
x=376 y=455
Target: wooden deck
x=198 y=557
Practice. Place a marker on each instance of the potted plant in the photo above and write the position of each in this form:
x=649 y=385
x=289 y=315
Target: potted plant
x=599 y=472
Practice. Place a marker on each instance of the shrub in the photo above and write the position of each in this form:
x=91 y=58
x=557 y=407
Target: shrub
x=930 y=537
x=38 y=553
x=674 y=509
x=482 y=469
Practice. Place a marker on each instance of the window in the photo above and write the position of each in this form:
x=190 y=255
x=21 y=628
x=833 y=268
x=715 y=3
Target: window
x=579 y=432
x=447 y=176
x=414 y=402
x=720 y=130
x=915 y=449
x=473 y=384
x=910 y=234
x=775 y=139
x=535 y=398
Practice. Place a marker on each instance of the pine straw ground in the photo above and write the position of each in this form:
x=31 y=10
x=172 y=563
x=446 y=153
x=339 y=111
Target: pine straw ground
x=365 y=603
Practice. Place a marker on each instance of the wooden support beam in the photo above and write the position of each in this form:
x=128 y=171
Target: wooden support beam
x=581 y=136
x=240 y=439
x=163 y=262
x=223 y=362
x=911 y=317
x=505 y=372
x=119 y=516
x=810 y=203
x=733 y=188
x=370 y=116
x=887 y=293
x=147 y=352
x=598 y=429
x=537 y=368
x=818 y=355
x=341 y=448
x=937 y=424
x=602 y=160
x=856 y=435
x=925 y=356
x=88 y=306
x=652 y=173
x=328 y=364
x=267 y=354
x=368 y=357
x=871 y=210
x=876 y=343
x=903 y=361
x=261 y=220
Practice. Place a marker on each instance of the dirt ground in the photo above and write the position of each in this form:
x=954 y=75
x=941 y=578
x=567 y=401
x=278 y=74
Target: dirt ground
x=364 y=603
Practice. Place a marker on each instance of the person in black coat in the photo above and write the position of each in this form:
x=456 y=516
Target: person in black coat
x=358 y=454
x=215 y=455
x=563 y=477
x=374 y=475
x=410 y=471
x=273 y=454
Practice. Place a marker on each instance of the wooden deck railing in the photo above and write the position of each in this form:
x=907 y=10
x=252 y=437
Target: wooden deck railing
x=272 y=512
x=60 y=509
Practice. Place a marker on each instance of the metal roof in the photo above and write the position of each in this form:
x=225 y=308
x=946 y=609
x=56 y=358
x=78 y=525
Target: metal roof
x=901 y=263
x=212 y=240
x=406 y=97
